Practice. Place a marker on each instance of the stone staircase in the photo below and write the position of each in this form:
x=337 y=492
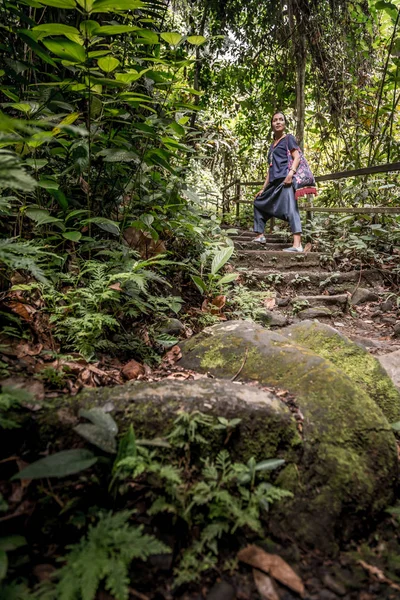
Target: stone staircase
x=308 y=285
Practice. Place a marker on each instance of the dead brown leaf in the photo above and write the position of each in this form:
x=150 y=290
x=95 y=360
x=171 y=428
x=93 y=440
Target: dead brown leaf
x=204 y=306
x=143 y=242
x=219 y=302
x=269 y=303
x=265 y=585
x=307 y=248
x=116 y=286
x=379 y=574
x=24 y=311
x=132 y=370
x=172 y=356
x=272 y=564
x=28 y=350
x=179 y=376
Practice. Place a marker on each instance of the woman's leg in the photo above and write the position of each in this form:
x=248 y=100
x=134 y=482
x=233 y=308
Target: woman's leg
x=295 y=226
x=296 y=240
x=259 y=223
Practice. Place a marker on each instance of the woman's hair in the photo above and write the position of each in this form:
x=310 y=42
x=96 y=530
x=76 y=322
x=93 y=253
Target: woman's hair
x=279 y=112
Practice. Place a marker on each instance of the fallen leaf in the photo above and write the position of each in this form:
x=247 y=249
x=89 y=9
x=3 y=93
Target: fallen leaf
x=204 y=306
x=179 y=376
x=27 y=350
x=132 y=370
x=24 y=311
x=379 y=574
x=219 y=302
x=269 y=303
x=116 y=286
x=265 y=586
x=173 y=355
x=307 y=248
x=272 y=564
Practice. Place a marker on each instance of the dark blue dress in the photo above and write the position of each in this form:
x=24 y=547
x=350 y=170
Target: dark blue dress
x=278 y=200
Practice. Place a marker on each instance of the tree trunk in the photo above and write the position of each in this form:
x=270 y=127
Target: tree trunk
x=297 y=32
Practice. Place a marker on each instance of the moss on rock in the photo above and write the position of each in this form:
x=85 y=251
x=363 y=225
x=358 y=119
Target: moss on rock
x=358 y=364
x=348 y=466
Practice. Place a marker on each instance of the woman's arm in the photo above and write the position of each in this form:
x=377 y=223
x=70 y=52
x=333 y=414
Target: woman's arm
x=265 y=185
x=296 y=161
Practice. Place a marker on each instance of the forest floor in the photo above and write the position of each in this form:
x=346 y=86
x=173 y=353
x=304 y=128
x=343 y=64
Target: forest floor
x=367 y=568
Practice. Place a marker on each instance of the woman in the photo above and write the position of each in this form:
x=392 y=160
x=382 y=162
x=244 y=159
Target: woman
x=277 y=199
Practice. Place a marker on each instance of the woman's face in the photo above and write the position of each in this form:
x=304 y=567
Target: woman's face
x=278 y=123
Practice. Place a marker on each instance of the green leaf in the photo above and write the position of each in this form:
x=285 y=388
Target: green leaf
x=41 y=216
x=270 y=464
x=87 y=5
x=12 y=542
x=201 y=286
x=22 y=106
x=56 y=29
x=228 y=278
x=73 y=236
x=396 y=426
x=59 y=3
x=48 y=184
x=196 y=40
x=113 y=6
x=171 y=38
x=66 y=49
x=3 y=564
x=108 y=63
x=220 y=259
x=100 y=418
x=28 y=37
x=61 y=464
x=89 y=28
x=114 y=29
x=146 y=35
x=98 y=436
x=105 y=224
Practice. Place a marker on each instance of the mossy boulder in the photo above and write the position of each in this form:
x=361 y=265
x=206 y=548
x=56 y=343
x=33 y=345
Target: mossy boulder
x=358 y=364
x=348 y=468
x=267 y=428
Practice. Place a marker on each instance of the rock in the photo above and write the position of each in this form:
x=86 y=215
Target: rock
x=285 y=301
x=387 y=306
x=171 y=327
x=314 y=313
x=30 y=385
x=391 y=364
x=335 y=586
x=268 y=317
x=365 y=342
x=267 y=428
x=222 y=591
x=362 y=295
x=348 y=465
x=358 y=364
x=396 y=330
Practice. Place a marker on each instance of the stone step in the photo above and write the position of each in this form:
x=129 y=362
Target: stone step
x=338 y=300
x=307 y=280
x=271 y=238
x=250 y=245
x=277 y=259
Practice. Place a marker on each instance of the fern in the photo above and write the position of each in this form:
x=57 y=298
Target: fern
x=104 y=556
x=25 y=256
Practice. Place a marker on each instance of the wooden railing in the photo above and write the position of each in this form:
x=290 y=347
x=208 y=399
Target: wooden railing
x=308 y=206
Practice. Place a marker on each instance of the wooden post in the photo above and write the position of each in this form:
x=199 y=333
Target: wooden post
x=309 y=213
x=238 y=189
